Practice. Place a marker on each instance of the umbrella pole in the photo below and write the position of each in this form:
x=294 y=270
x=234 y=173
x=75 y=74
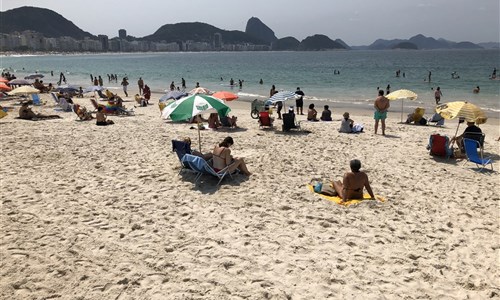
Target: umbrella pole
x=454 y=137
x=402 y=111
x=199 y=135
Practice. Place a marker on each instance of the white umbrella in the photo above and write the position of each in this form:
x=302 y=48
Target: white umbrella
x=93 y=88
x=24 y=90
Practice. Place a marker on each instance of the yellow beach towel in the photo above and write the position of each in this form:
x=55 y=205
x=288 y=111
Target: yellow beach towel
x=338 y=200
x=2 y=113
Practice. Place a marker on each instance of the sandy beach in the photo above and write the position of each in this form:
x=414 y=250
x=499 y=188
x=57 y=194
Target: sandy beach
x=92 y=212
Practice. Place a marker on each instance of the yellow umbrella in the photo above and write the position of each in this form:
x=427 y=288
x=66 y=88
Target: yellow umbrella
x=401 y=95
x=462 y=109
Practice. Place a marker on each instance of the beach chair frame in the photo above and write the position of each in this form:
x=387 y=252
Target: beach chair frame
x=474 y=156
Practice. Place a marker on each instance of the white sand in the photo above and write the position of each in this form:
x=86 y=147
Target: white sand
x=94 y=212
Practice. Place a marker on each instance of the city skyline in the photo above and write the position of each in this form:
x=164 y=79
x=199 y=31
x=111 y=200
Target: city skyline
x=355 y=22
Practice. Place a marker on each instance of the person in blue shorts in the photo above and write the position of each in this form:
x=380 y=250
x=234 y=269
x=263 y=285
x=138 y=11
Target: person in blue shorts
x=381 y=106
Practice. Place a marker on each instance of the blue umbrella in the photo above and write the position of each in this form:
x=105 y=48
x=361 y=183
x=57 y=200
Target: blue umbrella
x=67 y=89
x=34 y=76
x=173 y=95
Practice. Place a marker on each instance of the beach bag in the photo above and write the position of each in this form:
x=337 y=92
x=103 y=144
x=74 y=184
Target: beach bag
x=357 y=128
x=323 y=188
x=439 y=145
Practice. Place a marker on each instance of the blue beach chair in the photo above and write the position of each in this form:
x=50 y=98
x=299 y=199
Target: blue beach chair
x=201 y=166
x=473 y=155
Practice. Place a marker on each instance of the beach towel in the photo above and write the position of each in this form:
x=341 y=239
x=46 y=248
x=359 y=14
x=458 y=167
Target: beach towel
x=338 y=200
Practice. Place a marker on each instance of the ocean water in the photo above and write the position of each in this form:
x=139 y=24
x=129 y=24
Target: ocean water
x=361 y=72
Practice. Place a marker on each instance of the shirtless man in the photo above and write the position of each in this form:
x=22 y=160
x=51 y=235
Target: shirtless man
x=381 y=106
x=353 y=183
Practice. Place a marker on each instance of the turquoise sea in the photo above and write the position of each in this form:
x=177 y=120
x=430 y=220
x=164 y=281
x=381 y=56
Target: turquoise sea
x=361 y=72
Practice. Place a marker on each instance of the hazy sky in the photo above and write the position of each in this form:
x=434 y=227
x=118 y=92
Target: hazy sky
x=357 y=22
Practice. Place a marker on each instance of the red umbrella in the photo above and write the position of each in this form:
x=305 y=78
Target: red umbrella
x=4 y=80
x=4 y=87
x=227 y=96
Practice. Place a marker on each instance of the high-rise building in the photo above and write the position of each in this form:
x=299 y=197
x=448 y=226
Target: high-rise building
x=122 y=33
x=104 y=42
x=217 y=41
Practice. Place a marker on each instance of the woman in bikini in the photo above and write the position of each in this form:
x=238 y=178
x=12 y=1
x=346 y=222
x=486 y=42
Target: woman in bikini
x=222 y=158
x=353 y=183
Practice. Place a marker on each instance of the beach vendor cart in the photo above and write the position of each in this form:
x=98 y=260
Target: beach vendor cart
x=257 y=106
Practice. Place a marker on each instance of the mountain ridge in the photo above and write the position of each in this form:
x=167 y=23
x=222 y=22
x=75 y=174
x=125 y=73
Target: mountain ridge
x=51 y=24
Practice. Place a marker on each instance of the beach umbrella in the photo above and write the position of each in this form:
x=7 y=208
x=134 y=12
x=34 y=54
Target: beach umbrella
x=93 y=88
x=70 y=89
x=24 y=90
x=190 y=106
x=200 y=90
x=461 y=110
x=19 y=81
x=4 y=87
x=34 y=76
x=402 y=95
x=173 y=95
x=281 y=96
x=226 y=96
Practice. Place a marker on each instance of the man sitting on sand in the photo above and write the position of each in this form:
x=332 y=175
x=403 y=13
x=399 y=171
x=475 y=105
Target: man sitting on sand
x=26 y=113
x=353 y=183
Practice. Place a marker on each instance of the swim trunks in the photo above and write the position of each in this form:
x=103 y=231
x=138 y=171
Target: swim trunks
x=380 y=115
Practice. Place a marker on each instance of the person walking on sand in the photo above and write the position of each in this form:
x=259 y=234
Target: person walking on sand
x=125 y=84
x=381 y=106
x=140 y=83
x=437 y=95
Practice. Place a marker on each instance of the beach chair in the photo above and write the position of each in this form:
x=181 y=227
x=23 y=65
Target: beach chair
x=36 y=99
x=201 y=166
x=181 y=148
x=439 y=145
x=437 y=119
x=265 y=120
x=473 y=156
x=55 y=98
x=289 y=122
x=65 y=105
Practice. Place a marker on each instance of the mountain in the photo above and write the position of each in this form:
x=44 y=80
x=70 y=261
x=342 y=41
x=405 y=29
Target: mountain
x=319 y=42
x=44 y=21
x=199 y=32
x=343 y=44
x=489 y=45
x=405 y=45
x=288 y=43
x=259 y=30
x=421 y=42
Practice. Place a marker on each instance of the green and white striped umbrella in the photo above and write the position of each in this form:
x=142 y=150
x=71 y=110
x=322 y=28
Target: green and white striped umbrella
x=188 y=107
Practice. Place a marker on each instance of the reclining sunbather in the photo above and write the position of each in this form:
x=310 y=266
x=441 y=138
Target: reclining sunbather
x=26 y=113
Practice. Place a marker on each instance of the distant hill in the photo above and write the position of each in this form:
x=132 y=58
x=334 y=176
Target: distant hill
x=45 y=21
x=490 y=45
x=405 y=45
x=288 y=43
x=199 y=32
x=319 y=42
x=422 y=42
x=259 y=30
